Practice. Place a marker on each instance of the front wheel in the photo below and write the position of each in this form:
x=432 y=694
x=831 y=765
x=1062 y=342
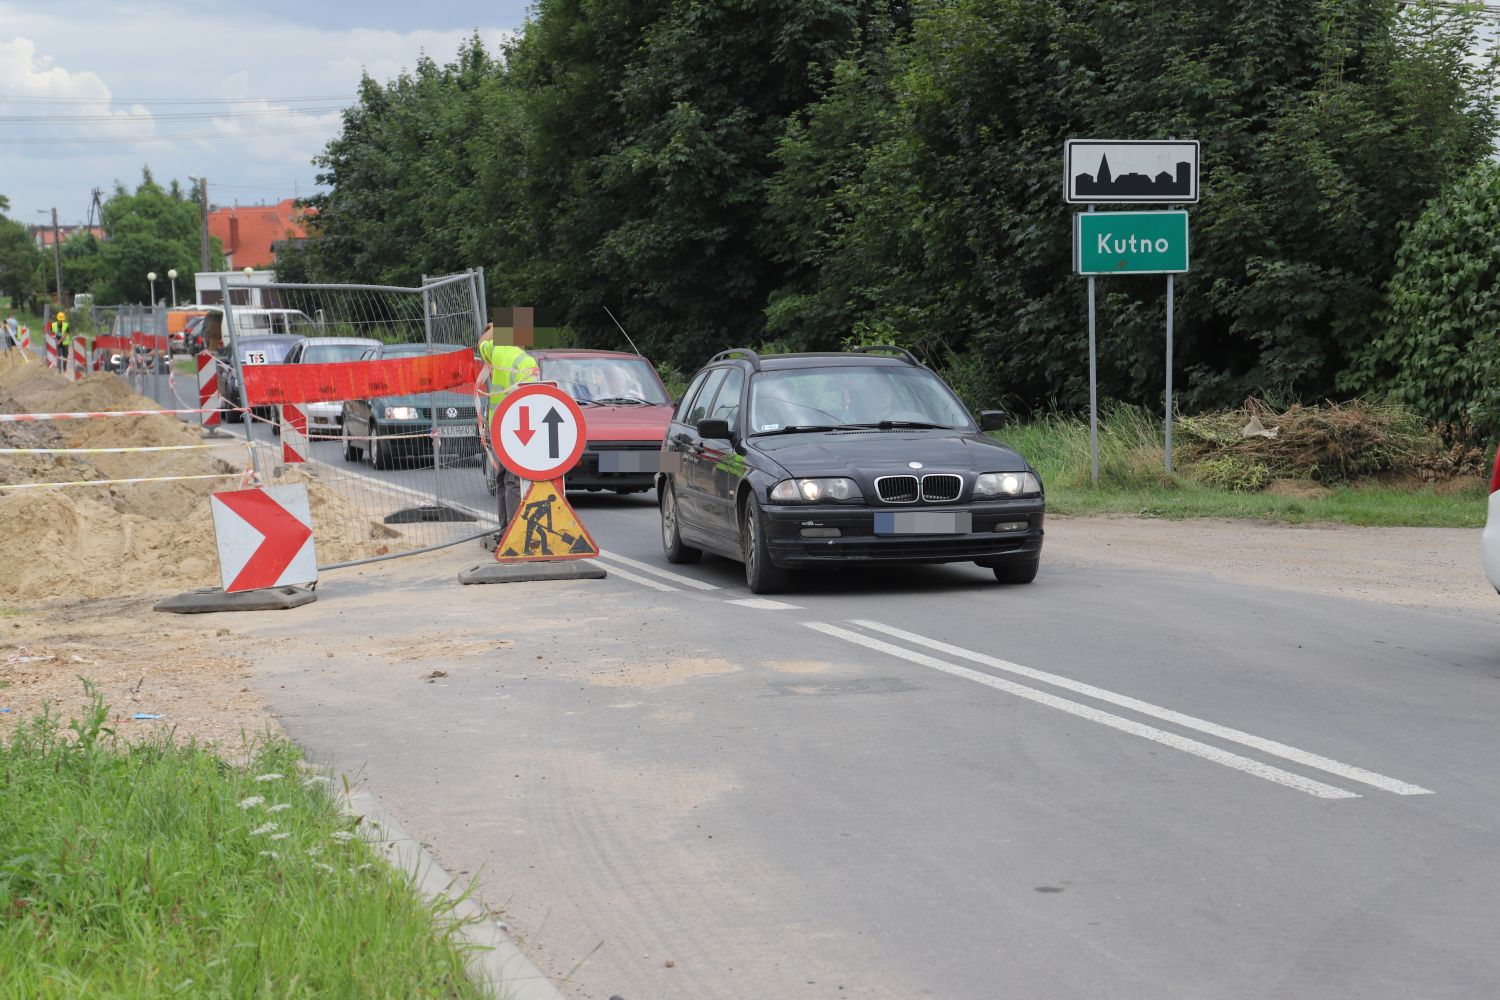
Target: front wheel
x=1023 y=571
x=380 y=455
x=760 y=575
x=671 y=531
x=352 y=451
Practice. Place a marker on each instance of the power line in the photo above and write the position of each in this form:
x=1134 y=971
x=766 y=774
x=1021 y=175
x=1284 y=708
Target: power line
x=182 y=116
x=172 y=137
x=27 y=99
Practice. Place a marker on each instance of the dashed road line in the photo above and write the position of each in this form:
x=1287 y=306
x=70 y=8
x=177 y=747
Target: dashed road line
x=665 y=574
x=1173 y=740
x=1272 y=747
x=763 y=604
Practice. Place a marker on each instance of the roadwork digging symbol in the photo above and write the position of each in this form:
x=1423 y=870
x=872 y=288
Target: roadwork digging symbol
x=545 y=527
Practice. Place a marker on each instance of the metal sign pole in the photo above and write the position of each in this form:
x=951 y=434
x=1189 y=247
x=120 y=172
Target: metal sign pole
x=232 y=337
x=1093 y=391
x=1169 y=375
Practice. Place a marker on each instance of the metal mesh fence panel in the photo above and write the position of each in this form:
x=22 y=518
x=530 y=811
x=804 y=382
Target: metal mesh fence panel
x=392 y=468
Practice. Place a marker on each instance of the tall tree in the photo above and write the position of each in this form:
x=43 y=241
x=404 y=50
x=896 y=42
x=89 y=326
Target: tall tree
x=150 y=230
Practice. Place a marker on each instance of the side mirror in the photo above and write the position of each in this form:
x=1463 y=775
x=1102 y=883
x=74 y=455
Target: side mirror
x=992 y=420
x=714 y=430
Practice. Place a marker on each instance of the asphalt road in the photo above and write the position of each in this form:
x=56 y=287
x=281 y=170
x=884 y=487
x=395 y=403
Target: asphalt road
x=919 y=783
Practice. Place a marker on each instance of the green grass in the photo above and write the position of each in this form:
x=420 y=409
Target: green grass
x=149 y=870
x=1132 y=481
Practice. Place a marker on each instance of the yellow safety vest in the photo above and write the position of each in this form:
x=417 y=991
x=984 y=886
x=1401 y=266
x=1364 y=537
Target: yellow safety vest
x=509 y=366
x=64 y=336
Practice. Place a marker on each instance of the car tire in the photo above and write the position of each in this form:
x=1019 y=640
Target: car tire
x=380 y=456
x=352 y=452
x=1022 y=571
x=232 y=416
x=671 y=531
x=761 y=575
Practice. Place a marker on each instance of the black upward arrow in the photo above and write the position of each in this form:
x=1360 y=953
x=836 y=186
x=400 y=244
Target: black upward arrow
x=552 y=419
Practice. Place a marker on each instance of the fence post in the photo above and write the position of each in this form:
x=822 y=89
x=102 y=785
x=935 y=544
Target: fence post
x=432 y=402
x=239 y=373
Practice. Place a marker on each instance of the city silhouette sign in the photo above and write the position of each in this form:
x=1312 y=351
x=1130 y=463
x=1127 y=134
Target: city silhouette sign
x=1124 y=171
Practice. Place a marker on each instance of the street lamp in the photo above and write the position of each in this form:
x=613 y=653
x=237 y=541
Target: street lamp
x=173 y=275
x=151 y=277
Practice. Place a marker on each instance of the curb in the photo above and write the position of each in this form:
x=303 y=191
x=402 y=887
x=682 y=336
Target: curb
x=496 y=964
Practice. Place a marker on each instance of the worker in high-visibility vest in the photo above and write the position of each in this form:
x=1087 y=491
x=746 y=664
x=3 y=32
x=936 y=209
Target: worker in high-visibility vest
x=509 y=367
x=64 y=334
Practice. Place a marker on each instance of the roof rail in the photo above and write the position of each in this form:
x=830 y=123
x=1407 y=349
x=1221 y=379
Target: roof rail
x=724 y=355
x=908 y=355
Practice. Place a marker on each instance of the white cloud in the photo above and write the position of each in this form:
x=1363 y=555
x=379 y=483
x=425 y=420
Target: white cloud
x=259 y=148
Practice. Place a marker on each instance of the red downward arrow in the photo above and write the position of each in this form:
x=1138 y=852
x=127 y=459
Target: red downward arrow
x=284 y=538
x=524 y=432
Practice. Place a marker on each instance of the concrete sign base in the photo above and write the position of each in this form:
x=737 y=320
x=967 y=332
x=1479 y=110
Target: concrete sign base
x=199 y=602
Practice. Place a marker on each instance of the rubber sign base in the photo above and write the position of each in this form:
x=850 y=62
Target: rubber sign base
x=531 y=572
x=200 y=602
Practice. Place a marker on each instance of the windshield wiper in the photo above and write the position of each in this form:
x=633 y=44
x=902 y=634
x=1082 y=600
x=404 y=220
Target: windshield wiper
x=910 y=424
x=622 y=399
x=800 y=428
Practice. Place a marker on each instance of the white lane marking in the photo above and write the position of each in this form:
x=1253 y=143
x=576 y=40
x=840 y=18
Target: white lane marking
x=665 y=574
x=763 y=604
x=1245 y=764
x=1302 y=757
x=643 y=581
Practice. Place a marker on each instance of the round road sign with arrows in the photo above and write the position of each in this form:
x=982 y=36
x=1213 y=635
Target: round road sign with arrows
x=537 y=432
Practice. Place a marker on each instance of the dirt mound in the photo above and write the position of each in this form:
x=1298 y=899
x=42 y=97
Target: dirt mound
x=99 y=541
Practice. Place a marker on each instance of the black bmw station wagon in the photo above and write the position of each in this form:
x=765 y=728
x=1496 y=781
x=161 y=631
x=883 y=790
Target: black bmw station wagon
x=798 y=460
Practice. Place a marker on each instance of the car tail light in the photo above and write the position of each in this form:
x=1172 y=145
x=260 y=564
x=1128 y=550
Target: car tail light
x=1495 y=474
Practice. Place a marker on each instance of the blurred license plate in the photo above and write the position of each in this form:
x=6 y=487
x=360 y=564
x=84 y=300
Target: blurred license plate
x=630 y=461
x=923 y=522
x=457 y=431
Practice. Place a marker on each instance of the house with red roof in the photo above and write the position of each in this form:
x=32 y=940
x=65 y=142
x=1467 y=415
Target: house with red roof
x=42 y=235
x=250 y=234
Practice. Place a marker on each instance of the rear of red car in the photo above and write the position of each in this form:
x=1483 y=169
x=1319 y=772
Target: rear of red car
x=1490 y=540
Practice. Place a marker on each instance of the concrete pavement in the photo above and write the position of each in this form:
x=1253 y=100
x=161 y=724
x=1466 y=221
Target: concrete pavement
x=1112 y=782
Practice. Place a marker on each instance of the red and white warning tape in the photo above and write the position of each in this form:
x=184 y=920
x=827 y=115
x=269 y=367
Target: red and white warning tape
x=112 y=482
x=25 y=417
x=104 y=451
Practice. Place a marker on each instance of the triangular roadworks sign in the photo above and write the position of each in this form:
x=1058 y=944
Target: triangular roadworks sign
x=545 y=527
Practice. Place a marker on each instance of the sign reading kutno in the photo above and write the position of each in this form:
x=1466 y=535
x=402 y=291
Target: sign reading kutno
x=1127 y=171
x=1130 y=242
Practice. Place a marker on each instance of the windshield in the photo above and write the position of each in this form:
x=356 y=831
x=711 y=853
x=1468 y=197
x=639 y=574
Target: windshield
x=415 y=350
x=605 y=380
x=324 y=353
x=852 y=395
x=274 y=322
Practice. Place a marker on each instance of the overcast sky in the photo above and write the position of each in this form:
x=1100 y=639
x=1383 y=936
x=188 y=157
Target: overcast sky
x=88 y=89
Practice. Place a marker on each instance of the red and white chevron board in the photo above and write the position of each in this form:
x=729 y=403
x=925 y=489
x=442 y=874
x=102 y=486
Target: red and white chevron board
x=79 y=366
x=208 y=389
x=265 y=538
x=293 y=433
x=25 y=338
x=51 y=349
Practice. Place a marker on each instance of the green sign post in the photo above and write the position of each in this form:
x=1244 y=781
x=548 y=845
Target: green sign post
x=1130 y=242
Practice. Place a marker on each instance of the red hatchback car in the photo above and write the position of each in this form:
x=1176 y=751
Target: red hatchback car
x=626 y=410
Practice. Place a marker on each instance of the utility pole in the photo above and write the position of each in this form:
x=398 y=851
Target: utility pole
x=57 y=259
x=202 y=221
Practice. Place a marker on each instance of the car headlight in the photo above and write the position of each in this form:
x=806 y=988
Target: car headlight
x=813 y=490
x=1006 y=484
x=400 y=413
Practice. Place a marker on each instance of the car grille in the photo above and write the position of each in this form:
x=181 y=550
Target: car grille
x=937 y=488
x=941 y=488
x=464 y=413
x=897 y=489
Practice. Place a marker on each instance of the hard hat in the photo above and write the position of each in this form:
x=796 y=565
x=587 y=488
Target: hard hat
x=61 y=316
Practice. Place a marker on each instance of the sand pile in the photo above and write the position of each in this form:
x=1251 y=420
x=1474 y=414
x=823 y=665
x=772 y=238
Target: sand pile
x=138 y=538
